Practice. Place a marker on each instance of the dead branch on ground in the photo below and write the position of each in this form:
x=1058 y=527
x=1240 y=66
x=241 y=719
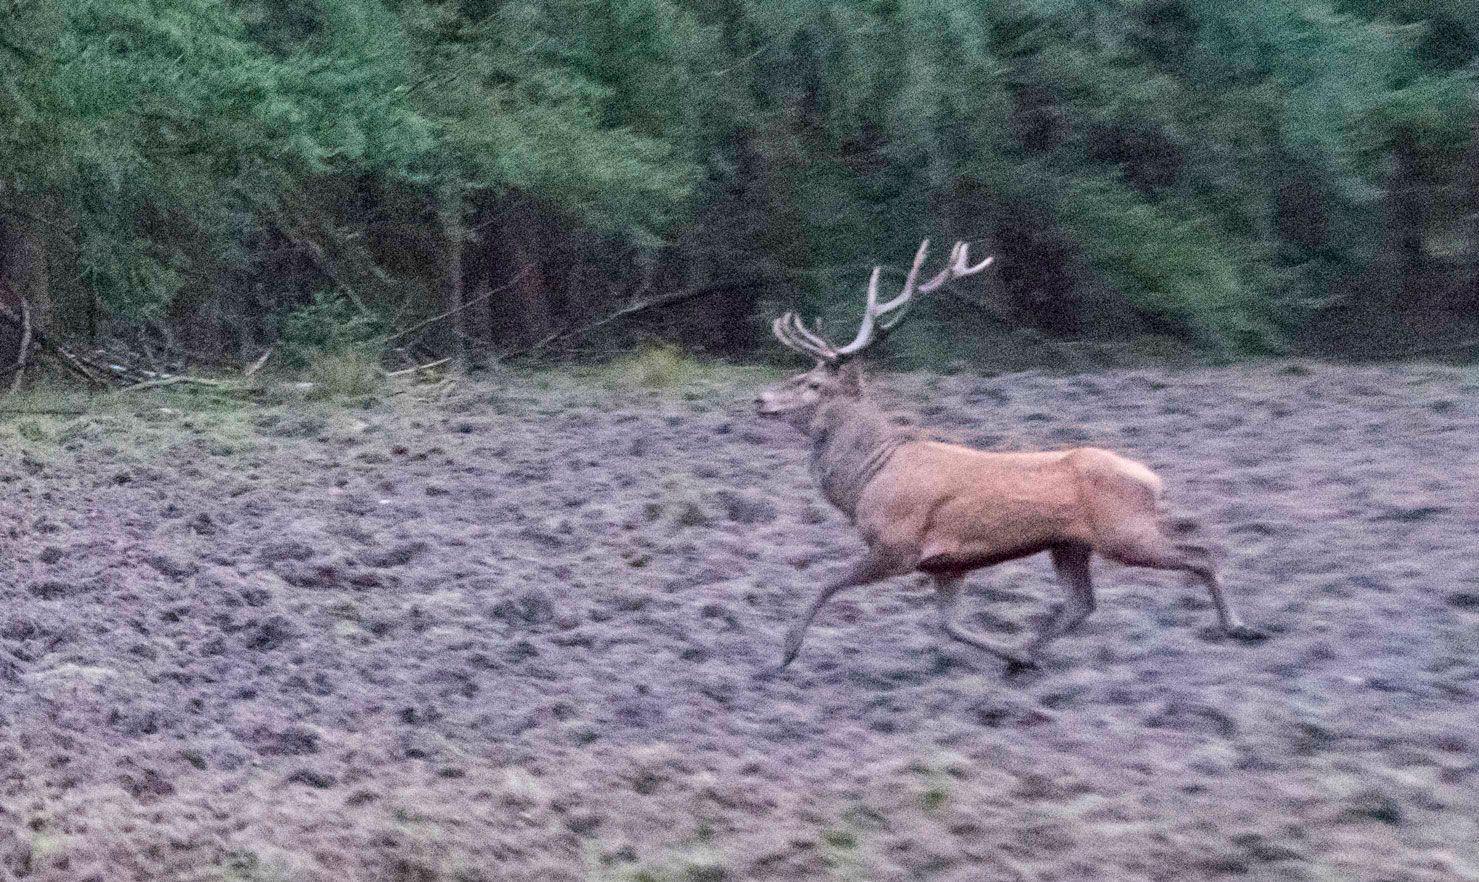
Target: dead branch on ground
x=38 y=338
x=421 y=325
x=23 y=351
x=180 y=379
x=257 y=365
x=625 y=312
x=417 y=369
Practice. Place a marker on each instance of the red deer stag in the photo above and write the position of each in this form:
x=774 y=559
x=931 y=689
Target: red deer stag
x=945 y=509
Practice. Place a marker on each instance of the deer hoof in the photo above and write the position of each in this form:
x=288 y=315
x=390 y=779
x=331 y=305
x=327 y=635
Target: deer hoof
x=1246 y=633
x=1017 y=664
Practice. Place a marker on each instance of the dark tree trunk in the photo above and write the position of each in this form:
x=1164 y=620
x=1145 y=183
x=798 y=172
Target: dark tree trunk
x=1471 y=179
x=449 y=334
x=531 y=296
x=1407 y=225
x=23 y=275
x=507 y=258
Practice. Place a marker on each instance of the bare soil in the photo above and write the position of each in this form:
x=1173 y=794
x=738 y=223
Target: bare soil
x=516 y=636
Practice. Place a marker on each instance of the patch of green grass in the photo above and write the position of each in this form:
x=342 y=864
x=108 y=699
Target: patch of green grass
x=840 y=839
x=41 y=414
x=936 y=777
x=46 y=395
x=667 y=367
x=347 y=373
x=31 y=430
x=706 y=871
x=43 y=851
x=656 y=367
x=248 y=866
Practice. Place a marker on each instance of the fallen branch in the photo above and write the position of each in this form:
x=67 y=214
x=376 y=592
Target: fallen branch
x=625 y=312
x=416 y=369
x=177 y=380
x=68 y=360
x=19 y=369
x=451 y=312
x=257 y=365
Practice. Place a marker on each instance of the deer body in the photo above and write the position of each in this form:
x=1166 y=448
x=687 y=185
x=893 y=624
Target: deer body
x=946 y=509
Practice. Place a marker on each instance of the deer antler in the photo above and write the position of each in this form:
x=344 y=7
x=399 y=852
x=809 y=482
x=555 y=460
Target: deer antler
x=791 y=332
x=878 y=319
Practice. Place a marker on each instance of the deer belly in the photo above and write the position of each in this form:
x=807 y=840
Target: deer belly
x=969 y=536
x=961 y=561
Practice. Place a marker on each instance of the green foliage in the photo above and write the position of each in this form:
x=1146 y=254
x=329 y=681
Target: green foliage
x=31 y=106
x=1214 y=169
x=179 y=128
x=1173 y=272
x=329 y=325
x=563 y=101
x=1434 y=113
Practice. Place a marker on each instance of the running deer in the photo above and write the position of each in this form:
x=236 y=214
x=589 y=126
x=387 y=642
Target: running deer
x=945 y=509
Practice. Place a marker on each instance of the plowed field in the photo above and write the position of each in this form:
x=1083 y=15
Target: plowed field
x=516 y=636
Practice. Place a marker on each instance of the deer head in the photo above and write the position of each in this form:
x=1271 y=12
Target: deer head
x=836 y=375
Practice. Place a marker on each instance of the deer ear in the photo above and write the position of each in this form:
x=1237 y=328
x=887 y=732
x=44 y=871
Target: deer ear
x=851 y=375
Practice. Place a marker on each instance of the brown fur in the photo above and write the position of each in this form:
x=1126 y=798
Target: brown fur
x=945 y=509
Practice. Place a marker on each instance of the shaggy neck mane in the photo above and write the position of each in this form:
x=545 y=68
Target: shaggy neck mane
x=852 y=440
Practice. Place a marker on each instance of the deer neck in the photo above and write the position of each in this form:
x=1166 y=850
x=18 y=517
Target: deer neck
x=852 y=441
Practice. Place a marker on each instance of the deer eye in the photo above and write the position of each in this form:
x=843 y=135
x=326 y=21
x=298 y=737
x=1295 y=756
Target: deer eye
x=814 y=384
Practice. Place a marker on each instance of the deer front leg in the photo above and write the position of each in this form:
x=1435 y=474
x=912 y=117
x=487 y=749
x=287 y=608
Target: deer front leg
x=947 y=592
x=873 y=567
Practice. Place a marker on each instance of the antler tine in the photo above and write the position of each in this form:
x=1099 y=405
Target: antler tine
x=823 y=348
x=945 y=274
x=958 y=268
x=783 y=333
x=909 y=282
x=878 y=319
x=793 y=335
x=966 y=269
x=864 y=337
x=892 y=312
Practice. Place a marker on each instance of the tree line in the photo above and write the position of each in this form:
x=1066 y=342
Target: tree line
x=212 y=177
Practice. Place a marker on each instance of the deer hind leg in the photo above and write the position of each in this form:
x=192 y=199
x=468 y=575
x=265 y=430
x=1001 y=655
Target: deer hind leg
x=1147 y=545
x=1072 y=563
x=872 y=568
x=947 y=592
